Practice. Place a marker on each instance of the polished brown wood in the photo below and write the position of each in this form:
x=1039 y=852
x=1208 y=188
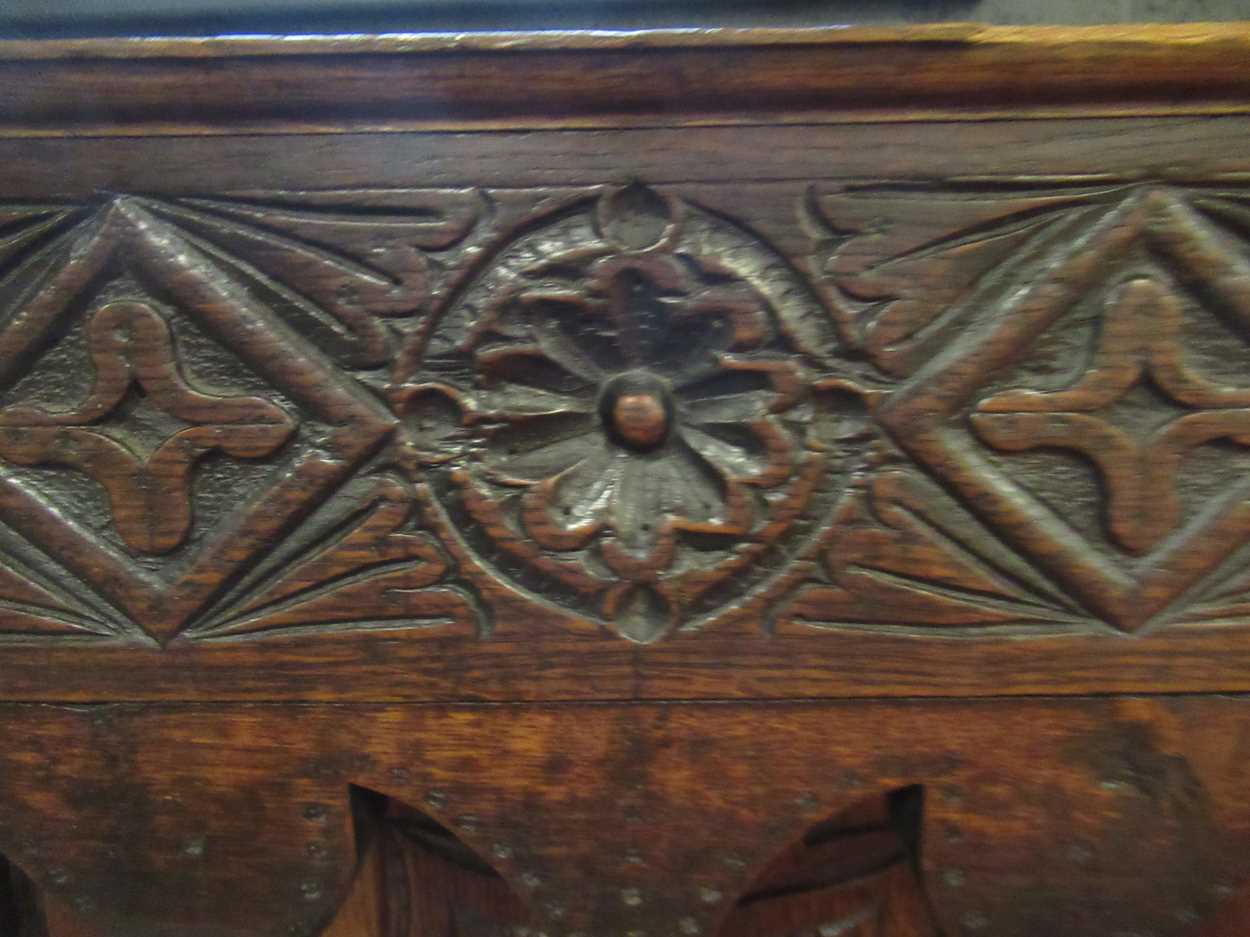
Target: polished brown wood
x=730 y=483
x=681 y=76
x=1072 y=815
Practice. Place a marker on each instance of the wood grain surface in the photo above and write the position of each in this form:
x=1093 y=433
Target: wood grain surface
x=560 y=79
x=742 y=483
x=808 y=532
x=1076 y=816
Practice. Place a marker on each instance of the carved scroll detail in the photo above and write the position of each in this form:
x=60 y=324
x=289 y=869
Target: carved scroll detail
x=344 y=268
x=908 y=556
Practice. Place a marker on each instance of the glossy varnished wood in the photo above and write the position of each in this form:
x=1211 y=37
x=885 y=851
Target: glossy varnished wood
x=677 y=76
x=771 y=649
x=576 y=484
x=1035 y=816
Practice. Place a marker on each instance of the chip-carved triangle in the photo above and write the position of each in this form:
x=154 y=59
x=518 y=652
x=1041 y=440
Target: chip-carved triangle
x=36 y=603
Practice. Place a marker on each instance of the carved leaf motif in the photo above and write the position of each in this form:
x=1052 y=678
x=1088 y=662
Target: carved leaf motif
x=360 y=563
x=911 y=557
x=23 y=228
x=908 y=264
x=336 y=264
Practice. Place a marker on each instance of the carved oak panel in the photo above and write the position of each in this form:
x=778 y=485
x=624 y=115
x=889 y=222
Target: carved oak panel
x=1009 y=407
x=572 y=486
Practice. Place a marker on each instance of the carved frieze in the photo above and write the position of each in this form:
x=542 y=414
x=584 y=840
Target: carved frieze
x=965 y=407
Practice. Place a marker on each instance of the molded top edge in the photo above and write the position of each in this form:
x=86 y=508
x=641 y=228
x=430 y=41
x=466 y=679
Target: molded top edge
x=966 y=34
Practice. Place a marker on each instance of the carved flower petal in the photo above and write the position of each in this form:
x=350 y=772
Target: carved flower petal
x=699 y=332
x=689 y=489
x=637 y=515
x=574 y=334
x=700 y=363
x=565 y=512
x=742 y=309
x=663 y=272
x=758 y=452
x=727 y=408
x=584 y=492
x=659 y=497
x=739 y=459
x=784 y=376
x=529 y=366
x=635 y=290
x=511 y=403
x=737 y=374
x=539 y=448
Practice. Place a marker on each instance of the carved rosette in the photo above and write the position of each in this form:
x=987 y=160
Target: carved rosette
x=629 y=411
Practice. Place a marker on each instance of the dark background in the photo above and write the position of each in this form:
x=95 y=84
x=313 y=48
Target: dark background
x=117 y=17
